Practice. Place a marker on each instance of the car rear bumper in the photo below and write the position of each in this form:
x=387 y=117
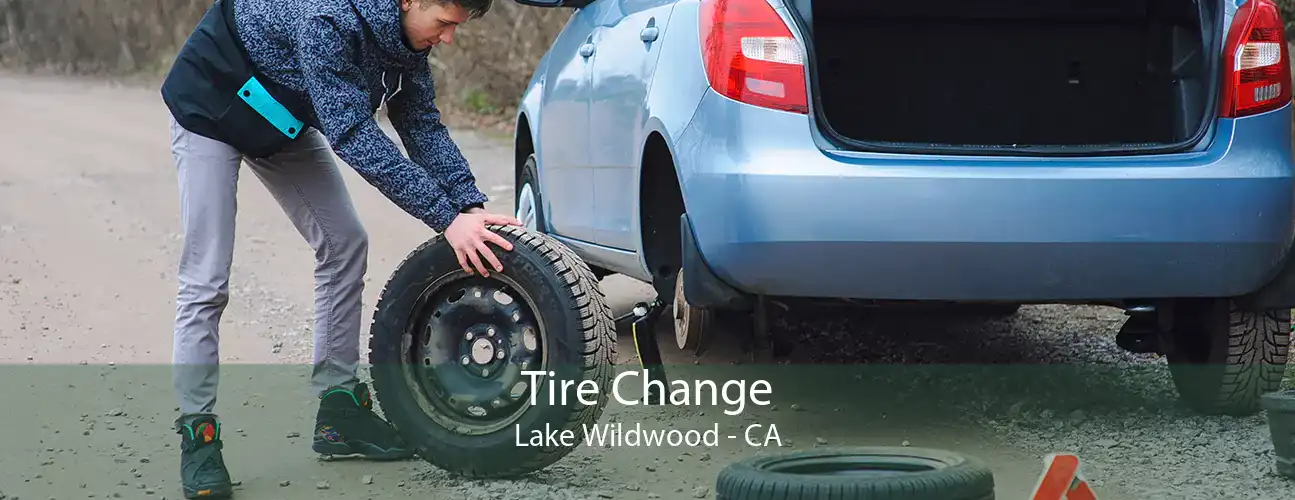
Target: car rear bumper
x=773 y=214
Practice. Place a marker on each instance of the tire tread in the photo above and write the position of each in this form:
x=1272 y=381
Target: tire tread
x=597 y=333
x=965 y=478
x=1253 y=358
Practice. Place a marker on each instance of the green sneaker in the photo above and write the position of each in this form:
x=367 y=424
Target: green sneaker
x=202 y=465
x=346 y=426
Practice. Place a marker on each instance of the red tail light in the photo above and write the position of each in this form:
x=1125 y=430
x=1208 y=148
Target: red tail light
x=751 y=55
x=1256 y=66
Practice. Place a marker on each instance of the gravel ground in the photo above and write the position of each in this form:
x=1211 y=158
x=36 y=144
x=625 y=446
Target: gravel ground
x=1117 y=410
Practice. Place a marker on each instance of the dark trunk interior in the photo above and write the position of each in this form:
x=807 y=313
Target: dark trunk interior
x=1011 y=73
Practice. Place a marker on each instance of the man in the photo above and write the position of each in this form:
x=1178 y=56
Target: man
x=281 y=84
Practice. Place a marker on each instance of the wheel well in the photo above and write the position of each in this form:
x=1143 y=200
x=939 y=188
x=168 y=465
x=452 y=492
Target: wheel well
x=523 y=147
x=660 y=206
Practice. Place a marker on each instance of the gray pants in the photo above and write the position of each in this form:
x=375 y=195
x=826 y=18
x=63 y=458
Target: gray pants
x=308 y=186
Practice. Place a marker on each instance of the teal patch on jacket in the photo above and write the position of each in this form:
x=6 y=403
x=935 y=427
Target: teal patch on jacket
x=255 y=95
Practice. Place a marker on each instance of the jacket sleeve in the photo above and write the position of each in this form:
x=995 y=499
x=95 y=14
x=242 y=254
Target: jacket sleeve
x=416 y=119
x=326 y=52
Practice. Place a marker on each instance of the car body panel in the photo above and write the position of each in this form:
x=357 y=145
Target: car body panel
x=670 y=107
x=622 y=77
x=664 y=111
x=773 y=214
x=775 y=210
x=563 y=132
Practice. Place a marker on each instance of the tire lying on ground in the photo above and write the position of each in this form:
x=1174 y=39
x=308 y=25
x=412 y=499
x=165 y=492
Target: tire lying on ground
x=874 y=473
x=448 y=351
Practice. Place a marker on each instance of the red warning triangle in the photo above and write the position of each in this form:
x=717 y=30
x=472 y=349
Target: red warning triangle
x=1061 y=480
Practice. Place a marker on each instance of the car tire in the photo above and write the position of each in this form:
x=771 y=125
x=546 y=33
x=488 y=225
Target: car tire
x=551 y=316
x=528 y=196
x=1222 y=358
x=874 y=473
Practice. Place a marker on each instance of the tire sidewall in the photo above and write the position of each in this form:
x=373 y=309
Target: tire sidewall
x=530 y=175
x=962 y=477
x=555 y=310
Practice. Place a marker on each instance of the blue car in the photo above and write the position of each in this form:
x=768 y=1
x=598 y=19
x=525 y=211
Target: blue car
x=1129 y=153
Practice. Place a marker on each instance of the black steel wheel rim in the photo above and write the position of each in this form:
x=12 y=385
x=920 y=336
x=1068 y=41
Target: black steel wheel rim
x=470 y=340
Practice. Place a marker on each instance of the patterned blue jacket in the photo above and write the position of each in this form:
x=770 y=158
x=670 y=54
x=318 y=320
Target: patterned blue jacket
x=332 y=63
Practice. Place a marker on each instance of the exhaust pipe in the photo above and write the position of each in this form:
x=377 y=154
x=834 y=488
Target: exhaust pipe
x=1141 y=332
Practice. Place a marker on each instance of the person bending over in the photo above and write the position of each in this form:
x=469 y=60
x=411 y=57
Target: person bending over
x=282 y=85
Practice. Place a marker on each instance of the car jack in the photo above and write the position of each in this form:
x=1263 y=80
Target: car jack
x=642 y=322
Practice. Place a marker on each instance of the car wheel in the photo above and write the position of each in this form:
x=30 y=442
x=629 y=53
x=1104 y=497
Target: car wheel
x=1223 y=359
x=529 y=209
x=874 y=473
x=448 y=351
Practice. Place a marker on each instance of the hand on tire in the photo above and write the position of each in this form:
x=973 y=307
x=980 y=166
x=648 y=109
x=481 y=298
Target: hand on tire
x=468 y=236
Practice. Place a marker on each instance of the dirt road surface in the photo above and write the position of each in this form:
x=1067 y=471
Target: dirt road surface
x=88 y=246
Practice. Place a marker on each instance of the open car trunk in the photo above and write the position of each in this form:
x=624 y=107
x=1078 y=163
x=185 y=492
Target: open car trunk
x=1014 y=75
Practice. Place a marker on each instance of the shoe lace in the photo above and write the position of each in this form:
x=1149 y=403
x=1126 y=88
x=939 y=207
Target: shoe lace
x=205 y=460
x=205 y=457
x=211 y=461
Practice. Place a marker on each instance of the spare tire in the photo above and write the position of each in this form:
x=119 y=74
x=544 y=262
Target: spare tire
x=448 y=351
x=874 y=473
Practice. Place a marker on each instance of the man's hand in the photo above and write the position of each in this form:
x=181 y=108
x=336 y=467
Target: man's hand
x=468 y=236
